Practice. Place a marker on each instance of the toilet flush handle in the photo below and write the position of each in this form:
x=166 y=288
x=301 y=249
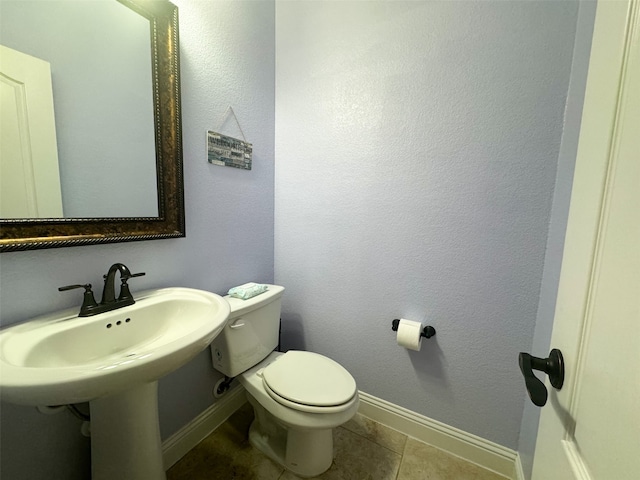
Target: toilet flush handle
x=237 y=324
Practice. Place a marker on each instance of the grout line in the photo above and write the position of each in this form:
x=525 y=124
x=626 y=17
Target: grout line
x=376 y=443
x=401 y=460
x=404 y=446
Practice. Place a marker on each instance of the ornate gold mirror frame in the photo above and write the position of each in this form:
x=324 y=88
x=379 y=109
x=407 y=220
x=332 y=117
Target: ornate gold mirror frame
x=28 y=234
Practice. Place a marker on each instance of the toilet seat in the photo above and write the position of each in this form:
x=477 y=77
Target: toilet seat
x=309 y=382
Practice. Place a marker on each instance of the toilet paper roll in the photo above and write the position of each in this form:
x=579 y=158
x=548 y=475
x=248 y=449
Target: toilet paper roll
x=408 y=334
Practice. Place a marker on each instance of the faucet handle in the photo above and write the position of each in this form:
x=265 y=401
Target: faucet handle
x=87 y=287
x=124 y=278
x=127 y=276
x=88 y=302
x=125 y=294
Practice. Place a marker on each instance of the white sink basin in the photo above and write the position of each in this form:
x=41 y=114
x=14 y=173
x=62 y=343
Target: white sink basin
x=61 y=358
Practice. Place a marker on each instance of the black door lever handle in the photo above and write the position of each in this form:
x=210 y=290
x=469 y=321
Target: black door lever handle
x=552 y=366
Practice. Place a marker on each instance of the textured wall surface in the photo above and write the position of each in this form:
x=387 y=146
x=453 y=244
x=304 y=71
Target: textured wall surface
x=416 y=149
x=227 y=55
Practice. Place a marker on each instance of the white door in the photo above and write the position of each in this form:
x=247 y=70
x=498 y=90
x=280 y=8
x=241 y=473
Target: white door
x=590 y=429
x=29 y=175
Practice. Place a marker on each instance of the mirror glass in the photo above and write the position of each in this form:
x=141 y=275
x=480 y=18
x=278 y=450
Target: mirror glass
x=100 y=59
x=127 y=134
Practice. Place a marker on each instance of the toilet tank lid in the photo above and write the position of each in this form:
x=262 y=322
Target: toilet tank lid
x=242 y=307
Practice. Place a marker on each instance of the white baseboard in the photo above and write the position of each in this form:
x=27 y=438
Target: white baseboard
x=472 y=448
x=465 y=445
x=178 y=445
x=519 y=471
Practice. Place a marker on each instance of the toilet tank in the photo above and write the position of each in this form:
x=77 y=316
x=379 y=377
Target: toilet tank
x=251 y=332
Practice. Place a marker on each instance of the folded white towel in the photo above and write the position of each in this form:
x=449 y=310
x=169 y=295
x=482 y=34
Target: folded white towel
x=247 y=290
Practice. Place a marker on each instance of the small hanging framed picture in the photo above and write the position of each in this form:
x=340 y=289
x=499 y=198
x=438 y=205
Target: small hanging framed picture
x=228 y=151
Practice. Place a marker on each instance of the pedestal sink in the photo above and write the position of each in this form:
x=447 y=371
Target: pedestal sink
x=113 y=361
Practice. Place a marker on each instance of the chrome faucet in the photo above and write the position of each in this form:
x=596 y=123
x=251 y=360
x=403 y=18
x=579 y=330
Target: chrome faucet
x=109 y=301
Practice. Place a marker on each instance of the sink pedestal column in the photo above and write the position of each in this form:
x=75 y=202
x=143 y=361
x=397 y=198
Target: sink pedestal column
x=125 y=436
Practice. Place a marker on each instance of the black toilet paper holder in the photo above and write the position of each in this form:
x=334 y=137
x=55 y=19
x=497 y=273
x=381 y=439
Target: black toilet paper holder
x=427 y=332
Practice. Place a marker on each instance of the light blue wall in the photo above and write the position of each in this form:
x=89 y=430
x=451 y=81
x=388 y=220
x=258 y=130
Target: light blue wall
x=558 y=219
x=417 y=146
x=417 y=149
x=227 y=55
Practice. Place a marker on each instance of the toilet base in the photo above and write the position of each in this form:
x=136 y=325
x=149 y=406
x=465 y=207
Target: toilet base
x=307 y=453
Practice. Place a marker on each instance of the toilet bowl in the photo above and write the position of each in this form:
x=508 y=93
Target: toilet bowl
x=298 y=397
x=299 y=436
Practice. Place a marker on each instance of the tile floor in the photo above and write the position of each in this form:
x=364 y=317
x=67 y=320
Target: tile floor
x=364 y=450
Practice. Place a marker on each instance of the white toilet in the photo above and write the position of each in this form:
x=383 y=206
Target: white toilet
x=298 y=397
